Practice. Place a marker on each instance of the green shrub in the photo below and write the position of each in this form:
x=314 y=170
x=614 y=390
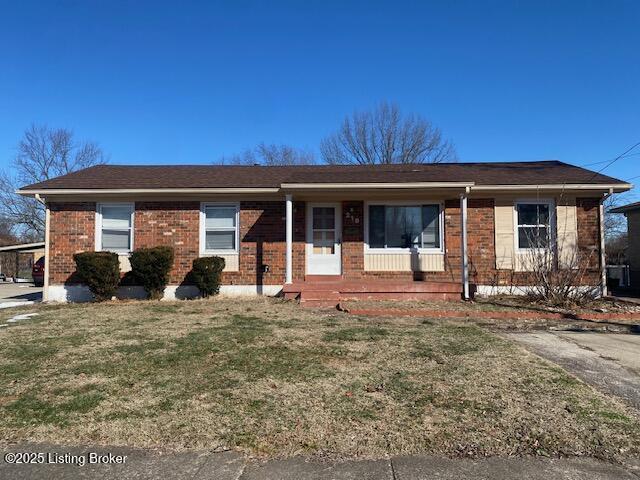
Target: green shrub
x=206 y=273
x=151 y=267
x=100 y=271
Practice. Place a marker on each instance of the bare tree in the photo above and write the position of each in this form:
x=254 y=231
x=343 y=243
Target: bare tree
x=271 y=155
x=384 y=135
x=6 y=232
x=43 y=153
x=615 y=224
x=616 y=249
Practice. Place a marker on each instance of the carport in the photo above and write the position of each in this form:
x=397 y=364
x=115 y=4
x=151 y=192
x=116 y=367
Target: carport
x=15 y=263
x=18 y=259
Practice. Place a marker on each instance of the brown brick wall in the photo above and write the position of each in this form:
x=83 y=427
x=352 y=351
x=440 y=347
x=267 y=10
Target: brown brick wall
x=588 y=217
x=353 y=239
x=71 y=230
x=176 y=224
x=262 y=240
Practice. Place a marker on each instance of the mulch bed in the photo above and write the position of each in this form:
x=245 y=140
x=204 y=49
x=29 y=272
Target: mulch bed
x=397 y=312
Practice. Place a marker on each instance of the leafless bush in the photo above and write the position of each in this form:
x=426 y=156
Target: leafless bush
x=559 y=275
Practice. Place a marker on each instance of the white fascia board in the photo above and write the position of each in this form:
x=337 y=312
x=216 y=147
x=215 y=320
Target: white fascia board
x=360 y=186
x=621 y=187
x=616 y=187
x=99 y=191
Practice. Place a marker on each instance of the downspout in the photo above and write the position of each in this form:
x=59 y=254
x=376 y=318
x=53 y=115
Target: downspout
x=603 y=259
x=47 y=223
x=463 y=244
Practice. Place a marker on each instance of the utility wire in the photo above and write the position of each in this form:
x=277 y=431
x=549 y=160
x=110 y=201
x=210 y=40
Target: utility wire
x=605 y=161
x=614 y=160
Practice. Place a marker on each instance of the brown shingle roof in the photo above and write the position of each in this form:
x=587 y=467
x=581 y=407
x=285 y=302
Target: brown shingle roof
x=221 y=176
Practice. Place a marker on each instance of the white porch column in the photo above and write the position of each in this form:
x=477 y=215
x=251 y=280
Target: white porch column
x=47 y=240
x=603 y=259
x=463 y=245
x=288 y=278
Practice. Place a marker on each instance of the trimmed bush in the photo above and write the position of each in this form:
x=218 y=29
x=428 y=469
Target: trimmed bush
x=206 y=273
x=100 y=271
x=151 y=267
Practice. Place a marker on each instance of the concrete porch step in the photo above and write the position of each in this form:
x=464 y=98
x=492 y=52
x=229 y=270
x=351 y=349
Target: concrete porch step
x=428 y=296
x=319 y=298
x=323 y=278
x=327 y=293
x=319 y=303
x=399 y=287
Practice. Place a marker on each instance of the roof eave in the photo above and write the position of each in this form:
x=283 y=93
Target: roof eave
x=612 y=187
x=110 y=191
x=607 y=187
x=374 y=185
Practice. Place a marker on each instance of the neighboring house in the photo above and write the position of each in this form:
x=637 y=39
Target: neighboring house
x=366 y=230
x=632 y=212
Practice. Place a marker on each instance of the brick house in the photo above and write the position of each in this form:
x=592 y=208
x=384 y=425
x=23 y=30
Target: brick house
x=632 y=212
x=387 y=231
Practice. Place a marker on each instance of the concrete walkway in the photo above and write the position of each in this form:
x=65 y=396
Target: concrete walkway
x=609 y=362
x=140 y=464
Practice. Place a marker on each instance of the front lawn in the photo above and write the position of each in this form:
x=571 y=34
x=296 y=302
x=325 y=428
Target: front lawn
x=272 y=379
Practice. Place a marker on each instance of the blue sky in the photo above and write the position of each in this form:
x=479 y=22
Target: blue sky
x=188 y=82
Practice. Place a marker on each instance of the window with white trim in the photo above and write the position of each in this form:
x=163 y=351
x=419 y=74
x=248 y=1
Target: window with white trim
x=219 y=228
x=405 y=226
x=115 y=227
x=533 y=224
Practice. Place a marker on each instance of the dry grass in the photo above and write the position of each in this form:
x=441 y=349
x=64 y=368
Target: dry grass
x=271 y=379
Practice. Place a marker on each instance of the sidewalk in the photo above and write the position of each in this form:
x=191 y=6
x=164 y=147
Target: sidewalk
x=141 y=464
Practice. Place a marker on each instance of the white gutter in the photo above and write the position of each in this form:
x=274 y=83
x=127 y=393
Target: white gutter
x=93 y=191
x=559 y=186
x=618 y=187
x=360 y=186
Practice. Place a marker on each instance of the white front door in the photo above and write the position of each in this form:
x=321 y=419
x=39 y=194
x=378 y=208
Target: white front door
x=323 y=239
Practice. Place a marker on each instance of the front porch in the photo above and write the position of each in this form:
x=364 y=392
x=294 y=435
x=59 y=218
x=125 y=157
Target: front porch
x=415 y=250
x=330 y=290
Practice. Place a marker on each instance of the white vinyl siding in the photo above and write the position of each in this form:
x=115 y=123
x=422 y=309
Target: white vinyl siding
x=404 y=262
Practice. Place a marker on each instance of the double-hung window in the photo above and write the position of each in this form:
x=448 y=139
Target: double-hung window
x=115 y=227
x=533 y=224
x=405 y=226
x=219 y=228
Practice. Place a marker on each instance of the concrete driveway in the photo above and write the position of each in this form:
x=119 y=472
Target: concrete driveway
x=12 y=294
x=609 y=362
